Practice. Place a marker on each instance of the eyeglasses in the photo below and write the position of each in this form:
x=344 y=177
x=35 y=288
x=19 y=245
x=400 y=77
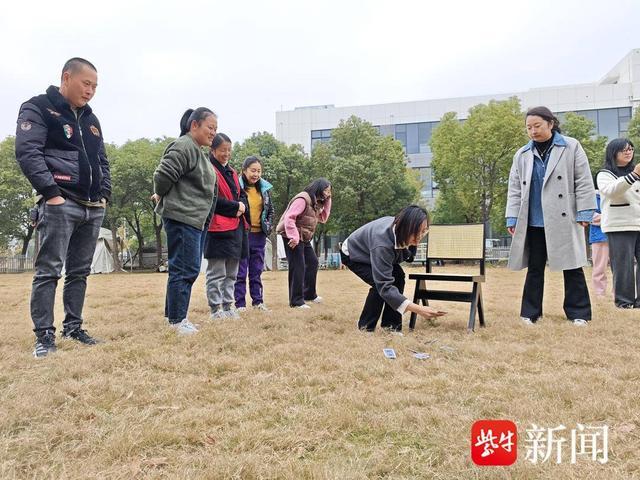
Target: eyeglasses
x=629 y=149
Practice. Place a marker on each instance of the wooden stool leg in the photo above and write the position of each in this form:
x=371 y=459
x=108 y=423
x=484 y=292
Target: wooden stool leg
x=474 y=306
x=480 y=306
x=412 y=318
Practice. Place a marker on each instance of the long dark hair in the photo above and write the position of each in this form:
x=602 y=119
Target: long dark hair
x=191 y=115
x=613 y=149
x=408 y=223
x=315 y=189
x=546 y=114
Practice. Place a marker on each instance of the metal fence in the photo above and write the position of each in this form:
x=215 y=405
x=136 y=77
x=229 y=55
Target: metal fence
x=492 y=254
x=17 y=264
x=496 y=254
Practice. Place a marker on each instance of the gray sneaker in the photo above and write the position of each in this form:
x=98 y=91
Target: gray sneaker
x=45 y=344
x=185 y=327
x=578 y=322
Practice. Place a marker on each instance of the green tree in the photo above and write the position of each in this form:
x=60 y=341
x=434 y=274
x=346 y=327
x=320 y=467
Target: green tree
x=584 y=130
x=445 y=143
x=16 y=199
x=634 y=128
x=132 y=167
x=472 y=160
x=368 y=172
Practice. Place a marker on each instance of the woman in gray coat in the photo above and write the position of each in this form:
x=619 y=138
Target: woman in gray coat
x=551 y=199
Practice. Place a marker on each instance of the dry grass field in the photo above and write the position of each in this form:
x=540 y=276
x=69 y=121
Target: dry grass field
x=303 y=394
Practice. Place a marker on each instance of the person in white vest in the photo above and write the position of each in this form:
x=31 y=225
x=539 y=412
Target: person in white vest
x=619 y=186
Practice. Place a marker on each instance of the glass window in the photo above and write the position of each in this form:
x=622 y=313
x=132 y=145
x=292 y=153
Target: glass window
x=624 y=117
x=401 y=135
x=591 y=115
x=425 y=177
x=425 y=131
x=320 y=136
x=412 y=138
x=424 y=135
x=387 y=130
x=608 y=123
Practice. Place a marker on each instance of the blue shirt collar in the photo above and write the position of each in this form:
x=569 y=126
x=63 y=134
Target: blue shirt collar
x=264 y=185
x=558 y=139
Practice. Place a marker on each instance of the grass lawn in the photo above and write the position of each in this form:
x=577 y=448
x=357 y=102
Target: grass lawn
x=304 y=394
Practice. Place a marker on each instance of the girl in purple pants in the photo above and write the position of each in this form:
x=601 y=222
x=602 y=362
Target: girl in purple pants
x=261 y=214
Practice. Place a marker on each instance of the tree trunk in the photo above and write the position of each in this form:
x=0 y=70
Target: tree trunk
x=26 y=240
x=140 y=242
x=115 y=254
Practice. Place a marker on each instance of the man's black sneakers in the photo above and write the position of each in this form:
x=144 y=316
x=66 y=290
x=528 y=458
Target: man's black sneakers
x=45 y=344
x=81 y=336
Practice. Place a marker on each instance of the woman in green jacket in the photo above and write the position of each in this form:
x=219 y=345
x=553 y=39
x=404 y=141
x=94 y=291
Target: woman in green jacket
x=185 y=192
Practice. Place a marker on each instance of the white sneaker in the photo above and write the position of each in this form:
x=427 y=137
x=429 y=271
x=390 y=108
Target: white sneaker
x=185 y=327
x=527 y=321
x=318 y=299
x=303 y=306
x=241 y=309
x=217 y=314
x=231 y=313
x=578 y=322
x=261 y=306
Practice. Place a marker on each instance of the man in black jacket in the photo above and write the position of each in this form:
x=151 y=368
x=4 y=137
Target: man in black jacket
x=60 y=150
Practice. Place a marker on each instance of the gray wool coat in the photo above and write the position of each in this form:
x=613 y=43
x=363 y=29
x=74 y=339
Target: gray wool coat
x=567 y=189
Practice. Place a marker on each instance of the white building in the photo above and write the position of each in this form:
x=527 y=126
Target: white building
x=608 y=102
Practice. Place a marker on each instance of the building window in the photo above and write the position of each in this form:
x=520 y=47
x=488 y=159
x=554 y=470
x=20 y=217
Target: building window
x=424 y=136
x=415 y=137
x=428 y=185
x=609 y=122
x=624 y=117
x=320 y=136
x=401 y=135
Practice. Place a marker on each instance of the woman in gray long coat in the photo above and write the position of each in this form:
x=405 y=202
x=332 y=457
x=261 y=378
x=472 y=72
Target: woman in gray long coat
x=551 y=199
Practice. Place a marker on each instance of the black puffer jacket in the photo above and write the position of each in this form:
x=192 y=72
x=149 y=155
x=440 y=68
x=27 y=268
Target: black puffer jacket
x=62 y=155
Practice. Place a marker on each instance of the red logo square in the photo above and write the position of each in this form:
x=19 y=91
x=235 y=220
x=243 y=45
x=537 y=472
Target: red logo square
x=494 y=442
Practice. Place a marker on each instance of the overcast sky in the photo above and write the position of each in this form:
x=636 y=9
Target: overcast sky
x=248 y=59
